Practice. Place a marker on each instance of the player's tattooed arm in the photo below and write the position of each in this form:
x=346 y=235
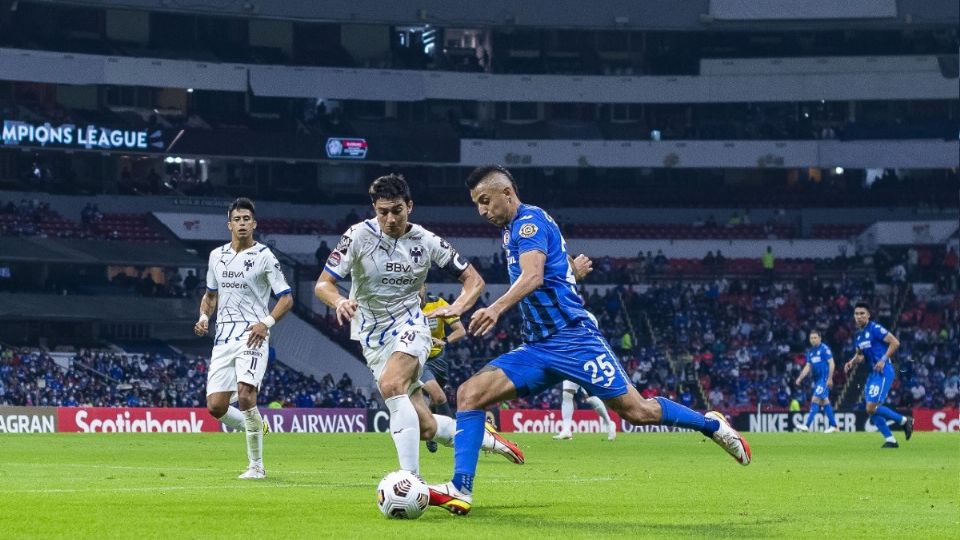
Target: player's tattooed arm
x=207 y=305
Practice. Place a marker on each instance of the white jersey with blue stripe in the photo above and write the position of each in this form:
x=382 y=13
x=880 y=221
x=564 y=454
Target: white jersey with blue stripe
x=243 y=282
x=386 y=275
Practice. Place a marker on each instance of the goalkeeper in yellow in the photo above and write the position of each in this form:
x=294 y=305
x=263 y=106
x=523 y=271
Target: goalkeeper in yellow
x=434 y=376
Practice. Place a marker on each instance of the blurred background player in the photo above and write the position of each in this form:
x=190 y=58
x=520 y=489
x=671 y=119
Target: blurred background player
x=877 y=345
x=246 y=271
x=570 y=390
x=820 y=363
x=561 y=341
x=434 y=376
x=388 y=259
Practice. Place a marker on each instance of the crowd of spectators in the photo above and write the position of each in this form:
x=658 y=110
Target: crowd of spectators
x=109 y=379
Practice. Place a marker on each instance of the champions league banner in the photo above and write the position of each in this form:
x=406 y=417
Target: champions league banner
x=17 y=133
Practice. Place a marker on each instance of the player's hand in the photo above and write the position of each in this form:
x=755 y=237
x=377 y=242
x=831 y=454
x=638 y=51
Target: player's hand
x=848 y=366
x=582 y=266
x=201 y=327
x=258 y=333
x=445 y=312
x=878 y=367
x=796 y=382
x=438 y=342
x=829 y=384
x=346 y=308
x=483 y=320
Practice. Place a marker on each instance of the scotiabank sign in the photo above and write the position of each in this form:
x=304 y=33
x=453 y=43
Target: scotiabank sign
x=936 y=419
x=130 y=420
x=549 y=421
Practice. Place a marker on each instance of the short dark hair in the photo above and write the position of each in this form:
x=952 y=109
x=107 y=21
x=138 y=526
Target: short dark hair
x=242 y=203
x=817 y=332
x=481 y=173
x=863 y=305
x=391 y=186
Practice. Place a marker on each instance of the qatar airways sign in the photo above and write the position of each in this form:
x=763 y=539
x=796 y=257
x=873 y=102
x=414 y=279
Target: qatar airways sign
x=18 y=133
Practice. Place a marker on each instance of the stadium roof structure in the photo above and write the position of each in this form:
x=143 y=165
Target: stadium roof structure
x=70 y=251
x=76 y=308
x=691 y=15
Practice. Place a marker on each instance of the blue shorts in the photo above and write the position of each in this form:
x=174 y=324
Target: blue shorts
x=878 y=384
x=577 y=353
x=820 y=390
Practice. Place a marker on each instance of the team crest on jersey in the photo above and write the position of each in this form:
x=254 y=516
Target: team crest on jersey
x=416 y=253
x=528 y=230
x=334 y=259
x=444 y=244
x=248 y=264
x=343 y=244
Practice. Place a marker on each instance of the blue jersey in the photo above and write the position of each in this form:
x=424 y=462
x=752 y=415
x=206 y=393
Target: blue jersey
x=819 y=359
x=869 y=340
x=556 y=304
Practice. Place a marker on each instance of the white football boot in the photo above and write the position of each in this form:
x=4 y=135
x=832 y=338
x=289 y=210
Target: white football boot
x=730 y=439
x=253 y=472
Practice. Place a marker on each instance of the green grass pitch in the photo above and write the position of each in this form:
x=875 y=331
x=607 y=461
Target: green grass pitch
x=646 y=485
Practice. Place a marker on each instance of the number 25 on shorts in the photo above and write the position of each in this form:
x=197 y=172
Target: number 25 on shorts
x=600 y=368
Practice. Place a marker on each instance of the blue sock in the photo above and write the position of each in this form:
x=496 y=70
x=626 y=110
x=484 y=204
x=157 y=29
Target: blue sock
x=674 y=414
x=828 y=410
x=881 y=424
x=890 y=414
x=814 y=409
x=466 y=448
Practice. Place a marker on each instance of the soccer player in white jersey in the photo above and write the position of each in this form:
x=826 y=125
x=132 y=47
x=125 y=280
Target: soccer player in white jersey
x=567 y=406
x=387 y=260
x=240 y=277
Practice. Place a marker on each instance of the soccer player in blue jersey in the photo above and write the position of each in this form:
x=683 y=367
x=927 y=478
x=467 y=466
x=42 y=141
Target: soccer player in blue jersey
x=877 y=345
x=561 y=341
x=820 y=363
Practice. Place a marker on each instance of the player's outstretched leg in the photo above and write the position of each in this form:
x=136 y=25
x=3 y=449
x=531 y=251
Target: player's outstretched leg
x=639 y=411
x=606 y=423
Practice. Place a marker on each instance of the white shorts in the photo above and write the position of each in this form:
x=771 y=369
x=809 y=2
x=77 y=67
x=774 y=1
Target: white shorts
x=414 y=340
x=233 y=363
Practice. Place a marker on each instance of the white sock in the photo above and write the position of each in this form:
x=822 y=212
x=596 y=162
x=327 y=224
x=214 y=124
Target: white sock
x=890 y=439
x=254 y=424
x=598 y=406
x=405 y=428
x=903 y=420
x=566 y=411
x=446 y=429
x=233 y=418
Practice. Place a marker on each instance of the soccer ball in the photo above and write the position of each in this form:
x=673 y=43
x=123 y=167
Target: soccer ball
x=403 y=495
